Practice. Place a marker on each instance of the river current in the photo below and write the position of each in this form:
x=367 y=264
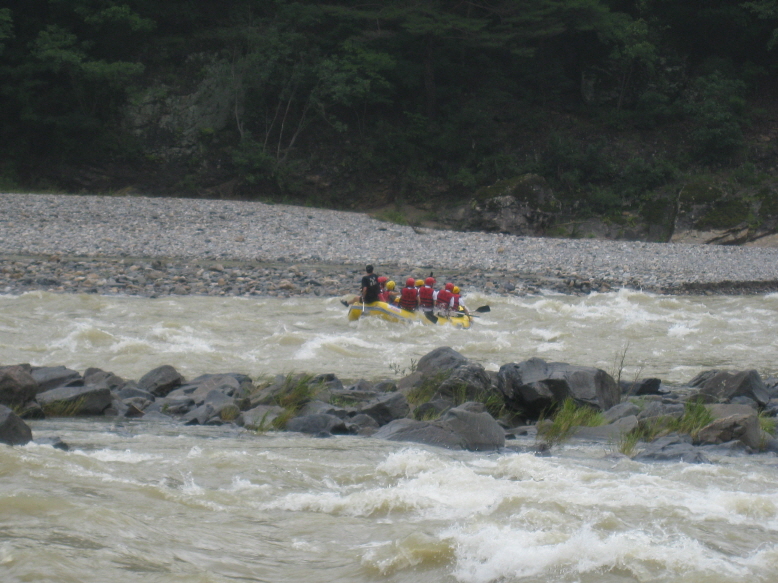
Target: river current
x=154 y=502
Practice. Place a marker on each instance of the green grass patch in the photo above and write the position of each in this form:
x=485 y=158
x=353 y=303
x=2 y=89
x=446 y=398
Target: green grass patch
x=427 y=388
x=392 y=216
x=295 y=392
x=63 y=408
x=767 y=424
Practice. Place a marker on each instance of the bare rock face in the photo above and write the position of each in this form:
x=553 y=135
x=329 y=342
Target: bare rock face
x=13 y=431
x=17 y=386
x=161 y=380
x=71 y=401
x=535 y=385
x=520 y=206
x=725 y=385
x=460 y=428
x=742 y=427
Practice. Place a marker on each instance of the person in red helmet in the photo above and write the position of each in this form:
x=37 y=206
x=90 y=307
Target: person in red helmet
x=427 y=295
x=409 y=296
x=444 y=302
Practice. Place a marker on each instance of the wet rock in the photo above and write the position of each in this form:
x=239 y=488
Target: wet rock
x=610 y=433
x=319 y=425
x=128 y=392
x=739 y=427
x=362 y=424
x=432 y=409
x=161 y=380
x=641 y=387
x=73 y=401
x=673 y=448
x=259 y=418
x=51 y=377
x=17 y=386
x=457 y=429
x=657 y=410
x=96 y=376
x=724 y=385
x=54 y=442
x=387 y=407
x=466 y=382
x=534 y=385
x=198 y=416
x=440 y=360
x=13 y=431
x=621 y=410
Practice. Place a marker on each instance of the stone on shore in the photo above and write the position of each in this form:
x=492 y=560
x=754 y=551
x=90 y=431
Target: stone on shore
x=725 y=385
x=52 y=377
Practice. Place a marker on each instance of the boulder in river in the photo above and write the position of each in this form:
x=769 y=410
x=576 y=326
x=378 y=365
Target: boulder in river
x=52 y=377
x=535 y=385
x=320 y=425
x=13 y=431
x=73 y=401
x=724 y=385
x=743 y=427
x=464 y=427
x=387 y=407
x=673 y=448
x=16 y=385
x=161 y=380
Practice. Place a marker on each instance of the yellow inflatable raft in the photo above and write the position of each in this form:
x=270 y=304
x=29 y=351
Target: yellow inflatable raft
x=395 y=314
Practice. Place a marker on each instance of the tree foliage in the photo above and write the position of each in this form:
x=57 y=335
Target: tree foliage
x=427 y=87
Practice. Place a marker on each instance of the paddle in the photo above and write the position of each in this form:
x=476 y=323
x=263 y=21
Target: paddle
x=483 y=309
x=432 y=318
x=344 y=302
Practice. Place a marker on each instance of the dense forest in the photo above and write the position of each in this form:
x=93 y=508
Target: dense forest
x=615 y=104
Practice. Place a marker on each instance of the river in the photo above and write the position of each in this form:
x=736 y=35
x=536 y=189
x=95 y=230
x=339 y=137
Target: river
x=154 y=502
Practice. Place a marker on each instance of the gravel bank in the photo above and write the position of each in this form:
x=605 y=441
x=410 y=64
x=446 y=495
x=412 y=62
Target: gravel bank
x=153 y=246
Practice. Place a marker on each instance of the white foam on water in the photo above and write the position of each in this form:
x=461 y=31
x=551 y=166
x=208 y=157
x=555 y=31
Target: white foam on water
x=486 y=554
x=126 y=457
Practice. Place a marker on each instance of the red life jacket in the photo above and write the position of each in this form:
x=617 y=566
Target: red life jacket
x=444 y=298
x=426 y=294
x=456 y=300
x=408 y=297
x=383 y=296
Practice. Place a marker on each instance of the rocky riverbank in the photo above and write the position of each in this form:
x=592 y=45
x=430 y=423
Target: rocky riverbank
x=447 y=401
x=152 y=247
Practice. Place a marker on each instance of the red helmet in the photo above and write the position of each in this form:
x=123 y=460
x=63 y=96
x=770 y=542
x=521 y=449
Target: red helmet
x=383 y=279
x=450 y=286
x=410 y=282
x=429 y=281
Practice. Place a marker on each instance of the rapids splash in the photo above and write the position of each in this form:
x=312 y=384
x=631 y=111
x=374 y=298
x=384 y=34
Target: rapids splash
x=665 y=336
x=140 y=501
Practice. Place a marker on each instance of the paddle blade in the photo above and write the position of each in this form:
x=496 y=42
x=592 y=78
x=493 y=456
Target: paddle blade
x=432 y=318
x=483 y=309
x=344 y=302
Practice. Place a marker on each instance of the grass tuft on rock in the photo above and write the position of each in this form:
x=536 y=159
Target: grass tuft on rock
x=297 y=390
x=567 y=417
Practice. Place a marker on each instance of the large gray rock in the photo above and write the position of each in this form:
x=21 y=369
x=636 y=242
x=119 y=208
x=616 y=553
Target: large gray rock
x=619 y=411
x=459 y=428
x=641 y=387
x=161 y=380
x=425 y=432
x=610 y=433
x=440 y=360
x=227 y=385
x=320 y=425
x=477 y=430
x=673 y=448
x=73 y=401
x=51 y=377
x=13 y=431
x=259 y=418
x=96 y=376
x=742 y=427
x=16 y=386
x=724 y=385
x=535 y=385
x=467 y=382
x=387 y=407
